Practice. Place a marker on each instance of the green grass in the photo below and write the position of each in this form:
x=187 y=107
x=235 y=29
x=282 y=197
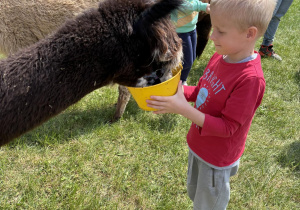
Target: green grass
x=77 y=160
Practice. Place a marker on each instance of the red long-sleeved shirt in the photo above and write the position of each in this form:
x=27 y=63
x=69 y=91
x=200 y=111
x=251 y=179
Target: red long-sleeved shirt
x=228 y=94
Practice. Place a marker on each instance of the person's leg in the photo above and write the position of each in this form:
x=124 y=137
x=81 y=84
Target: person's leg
x=187 y=55
x=192 y=176
x=281 y=9
x=266 y=48
x=213 y=187
x=194 y=43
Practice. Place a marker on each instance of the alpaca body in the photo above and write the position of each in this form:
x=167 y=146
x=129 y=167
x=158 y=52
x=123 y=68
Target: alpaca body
x=24 y=22
x=101 y=46
x=18 y=29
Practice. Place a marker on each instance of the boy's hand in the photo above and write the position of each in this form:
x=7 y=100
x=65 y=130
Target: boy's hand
x=169 y=104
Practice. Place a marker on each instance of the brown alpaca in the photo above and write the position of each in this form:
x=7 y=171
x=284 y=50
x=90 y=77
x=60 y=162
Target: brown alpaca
x=47 y=16
x=119 y=42
x=24 y=22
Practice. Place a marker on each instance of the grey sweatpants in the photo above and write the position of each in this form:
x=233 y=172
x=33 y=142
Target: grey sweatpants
x=207 y=187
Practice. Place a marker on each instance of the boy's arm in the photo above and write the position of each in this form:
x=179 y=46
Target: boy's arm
x=190 y=92
x=239 y=108
x=176 y=104
x=193 y=115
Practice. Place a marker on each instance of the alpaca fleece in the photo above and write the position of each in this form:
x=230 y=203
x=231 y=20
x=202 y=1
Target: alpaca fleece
x=24 y=22
x=120 y=42
x=47 y=15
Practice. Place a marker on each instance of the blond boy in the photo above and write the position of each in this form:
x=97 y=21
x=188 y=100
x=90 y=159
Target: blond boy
x=226 y=98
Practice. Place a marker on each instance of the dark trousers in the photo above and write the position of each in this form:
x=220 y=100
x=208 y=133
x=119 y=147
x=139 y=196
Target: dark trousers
x=189 y=42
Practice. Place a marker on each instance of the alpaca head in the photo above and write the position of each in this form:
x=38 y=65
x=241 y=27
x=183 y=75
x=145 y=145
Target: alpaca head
x=162 y=51
x=154 y=44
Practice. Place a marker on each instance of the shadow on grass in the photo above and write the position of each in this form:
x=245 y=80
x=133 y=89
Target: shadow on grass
x=297 y=78
x=162 y=123
x=290 y=157
x=74 y=123
x=66 y=126
x=166 y=123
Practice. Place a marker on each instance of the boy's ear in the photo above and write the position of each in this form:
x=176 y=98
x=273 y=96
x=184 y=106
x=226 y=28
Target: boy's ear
x=252 y=32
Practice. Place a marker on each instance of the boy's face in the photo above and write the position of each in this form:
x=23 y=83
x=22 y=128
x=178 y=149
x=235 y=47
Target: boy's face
x=227 y=37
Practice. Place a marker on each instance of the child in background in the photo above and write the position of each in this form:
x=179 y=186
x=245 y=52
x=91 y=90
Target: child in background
x=185 y=21
x=226 y=98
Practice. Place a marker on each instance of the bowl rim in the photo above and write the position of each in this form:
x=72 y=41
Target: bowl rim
x=180 y=69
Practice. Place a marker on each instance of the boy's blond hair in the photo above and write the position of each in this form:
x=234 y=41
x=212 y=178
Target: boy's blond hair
x=246 y=13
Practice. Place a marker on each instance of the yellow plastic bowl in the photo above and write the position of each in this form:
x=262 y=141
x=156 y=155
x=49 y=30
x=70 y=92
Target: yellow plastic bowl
x=166 y=88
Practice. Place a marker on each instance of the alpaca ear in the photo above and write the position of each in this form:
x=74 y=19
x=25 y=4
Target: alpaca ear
x=159 y=10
